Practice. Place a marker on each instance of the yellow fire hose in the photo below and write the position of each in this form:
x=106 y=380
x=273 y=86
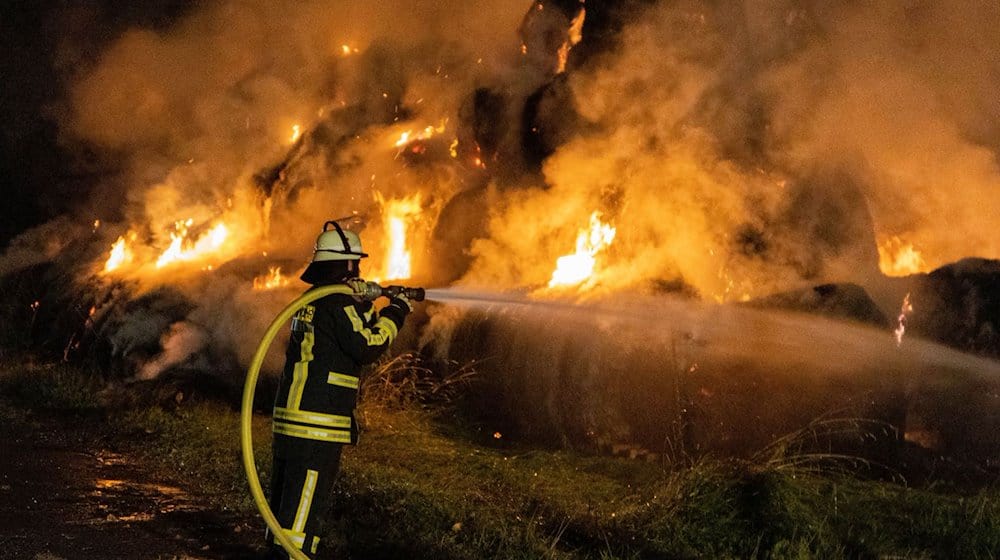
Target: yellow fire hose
x=246 y=411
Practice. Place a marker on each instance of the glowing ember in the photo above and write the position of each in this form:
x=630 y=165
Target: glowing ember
x=121 y=253
x=181 y=249
x=901 y=321
x=273 y=279
x=296 y=133
x=578 y=267
x=897 y=258
x=398 y=217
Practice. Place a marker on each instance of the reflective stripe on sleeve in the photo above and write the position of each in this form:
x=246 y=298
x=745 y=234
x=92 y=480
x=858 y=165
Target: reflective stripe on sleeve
x=301 y=371
x=309 y=417
x=308 y=432
x=315 y=544
x=342 y=380
x=387 y=329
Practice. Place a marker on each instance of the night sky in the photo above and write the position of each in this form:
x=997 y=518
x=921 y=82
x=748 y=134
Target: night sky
x=43 y=45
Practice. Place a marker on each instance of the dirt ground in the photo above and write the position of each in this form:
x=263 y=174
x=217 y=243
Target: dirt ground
x=65 y=495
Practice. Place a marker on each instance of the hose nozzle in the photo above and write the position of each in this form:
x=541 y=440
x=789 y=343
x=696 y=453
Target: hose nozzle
x=373 y=290
x=415 y=294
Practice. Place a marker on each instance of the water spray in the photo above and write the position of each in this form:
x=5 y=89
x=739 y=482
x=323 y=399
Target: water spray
x=369 y=291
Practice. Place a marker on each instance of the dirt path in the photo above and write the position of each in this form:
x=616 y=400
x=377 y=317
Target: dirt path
x=64 y=495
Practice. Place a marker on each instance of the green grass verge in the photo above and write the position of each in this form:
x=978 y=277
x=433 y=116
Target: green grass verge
x=409 y=490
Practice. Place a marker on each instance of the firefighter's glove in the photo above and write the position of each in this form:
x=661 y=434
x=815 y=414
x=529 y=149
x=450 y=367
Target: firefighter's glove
x=359 y=286
x=402 y=302
x=397 y=310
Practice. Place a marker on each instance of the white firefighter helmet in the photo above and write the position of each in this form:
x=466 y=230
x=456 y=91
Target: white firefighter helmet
x=337 y=244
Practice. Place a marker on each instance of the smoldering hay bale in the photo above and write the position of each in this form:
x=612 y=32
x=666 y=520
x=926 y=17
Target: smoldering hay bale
x=843 y=301
x=132 y=330
x=959 y=305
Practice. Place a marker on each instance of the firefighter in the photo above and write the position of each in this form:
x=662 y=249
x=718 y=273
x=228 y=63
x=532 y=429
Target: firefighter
x=331 y=340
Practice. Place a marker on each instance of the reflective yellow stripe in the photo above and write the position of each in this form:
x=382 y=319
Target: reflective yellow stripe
x=308 y=417
x=342 y=380
x=305 y=502
x=315 y=544
x=387 y=329
x=307 y=432
x=386 y=324
x=297 y=538
x=301 y=371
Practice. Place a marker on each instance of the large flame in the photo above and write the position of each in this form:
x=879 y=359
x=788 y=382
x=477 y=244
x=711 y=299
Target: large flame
x=182 y=249
x=121 y=253
x=574 y=269
x=898 y=258
x=399 y=216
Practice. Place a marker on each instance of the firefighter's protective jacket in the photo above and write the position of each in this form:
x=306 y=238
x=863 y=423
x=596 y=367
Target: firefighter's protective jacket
x=331 y=341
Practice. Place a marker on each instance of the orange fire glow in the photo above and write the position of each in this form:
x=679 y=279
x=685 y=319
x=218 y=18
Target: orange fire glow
x=574 y=269
x=427 y=132
x=905 y=309
x=182 y=249
x=399 y=216
x=898 y=258
x=573 y=36
x=270 y=281
x=296 y=133
x=121 y=253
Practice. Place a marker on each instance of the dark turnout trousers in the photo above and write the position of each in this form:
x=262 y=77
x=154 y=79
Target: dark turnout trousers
x=300 y=493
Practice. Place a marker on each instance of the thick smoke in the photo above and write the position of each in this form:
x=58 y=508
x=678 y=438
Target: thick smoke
x=268 y=117
x=199 y=110
x=904 y=98
x=742 y=148
x=738 y=148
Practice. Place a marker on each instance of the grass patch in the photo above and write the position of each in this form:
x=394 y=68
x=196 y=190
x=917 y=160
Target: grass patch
x=53 y=387
x=410 y=489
